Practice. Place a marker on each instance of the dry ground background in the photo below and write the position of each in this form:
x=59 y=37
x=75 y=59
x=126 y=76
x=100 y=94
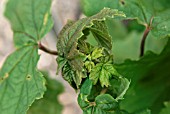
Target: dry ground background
x=61 y=11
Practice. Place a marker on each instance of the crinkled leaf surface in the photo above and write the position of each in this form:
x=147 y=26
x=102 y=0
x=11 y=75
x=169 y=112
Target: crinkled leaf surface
x=142 y=10
x=101 y=34
x=97 y=53
x=73 y=77
x=103 y=72
x=73 y=30
x=68 y=73
x=20 y=82
x=74 y=33
x=150 y=79
x=49 y=104
x=75 y=58
x=30 y=19
x=61 y=62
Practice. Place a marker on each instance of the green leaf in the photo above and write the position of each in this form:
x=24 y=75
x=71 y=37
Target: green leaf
x=62 y=37
x=105 y=104
x=73 y=30
x=166 y=109
x=141 y=10
x=150 y=85
x=146 y=10
x=84 y=47
x=68 y=74
x=30 y=20
x=75 y=58
x=103 y=72
x=49 y=104
x=61 y=62
x=101 y=34
x=89 y=65
x=20 y=81
x=84 y=93
x=74 y=33
x=97 y=53
x=101 y=104
x=118 y=88
x=74 y=77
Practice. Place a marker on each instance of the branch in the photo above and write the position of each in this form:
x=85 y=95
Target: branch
x=43 y=48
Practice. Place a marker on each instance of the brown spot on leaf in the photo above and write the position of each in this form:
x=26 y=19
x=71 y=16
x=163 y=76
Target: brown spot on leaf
x=5 y=77
x=28 y=77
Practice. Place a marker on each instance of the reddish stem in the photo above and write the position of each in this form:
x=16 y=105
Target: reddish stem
x=145 y=34
x=43 y=48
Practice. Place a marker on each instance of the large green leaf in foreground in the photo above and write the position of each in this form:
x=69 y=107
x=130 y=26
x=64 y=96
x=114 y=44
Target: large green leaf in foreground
x=20 y=82
x=150 y=78
x=142 y=10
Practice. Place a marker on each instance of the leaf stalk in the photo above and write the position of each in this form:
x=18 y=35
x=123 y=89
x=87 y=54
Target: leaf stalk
x=45 y=49
x=145 y=34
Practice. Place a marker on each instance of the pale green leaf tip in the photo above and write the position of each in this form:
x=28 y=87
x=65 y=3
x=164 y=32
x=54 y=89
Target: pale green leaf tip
x=119 y=13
